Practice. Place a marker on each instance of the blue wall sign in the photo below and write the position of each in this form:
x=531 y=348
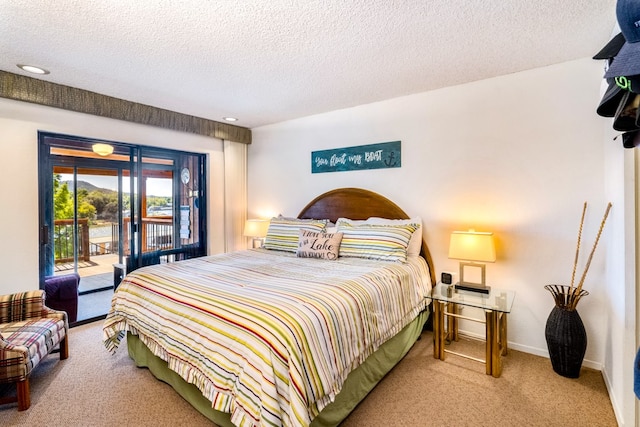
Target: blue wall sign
x=373 y=156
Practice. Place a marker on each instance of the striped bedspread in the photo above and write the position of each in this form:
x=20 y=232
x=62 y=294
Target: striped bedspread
x=267 y=336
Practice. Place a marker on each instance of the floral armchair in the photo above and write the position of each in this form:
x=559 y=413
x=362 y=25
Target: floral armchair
x=29 y=331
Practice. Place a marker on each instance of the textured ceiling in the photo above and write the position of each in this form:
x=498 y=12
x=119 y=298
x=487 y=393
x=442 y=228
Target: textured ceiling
x=265 y=61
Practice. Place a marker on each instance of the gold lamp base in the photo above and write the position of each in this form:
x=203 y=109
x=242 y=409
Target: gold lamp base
x=470 y=286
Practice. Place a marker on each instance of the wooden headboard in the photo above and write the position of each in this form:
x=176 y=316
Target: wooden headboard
x=357 y=203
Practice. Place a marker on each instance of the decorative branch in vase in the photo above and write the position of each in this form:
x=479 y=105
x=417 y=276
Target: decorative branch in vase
x=565 y=333
x=569 y=296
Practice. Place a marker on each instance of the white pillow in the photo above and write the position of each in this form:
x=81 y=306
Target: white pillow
x=415 y=244
x=352 y=222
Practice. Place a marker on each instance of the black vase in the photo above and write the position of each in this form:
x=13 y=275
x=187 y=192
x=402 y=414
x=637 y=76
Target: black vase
x=566 y=341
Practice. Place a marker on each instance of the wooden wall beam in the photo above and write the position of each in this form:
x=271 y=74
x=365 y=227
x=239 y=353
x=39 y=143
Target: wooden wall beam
x=28 y=89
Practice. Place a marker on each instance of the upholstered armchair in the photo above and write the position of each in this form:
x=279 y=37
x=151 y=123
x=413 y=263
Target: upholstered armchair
x=29 y=331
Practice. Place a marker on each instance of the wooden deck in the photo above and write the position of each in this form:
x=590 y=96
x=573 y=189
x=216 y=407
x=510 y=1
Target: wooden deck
x=94 y=274
x=97 y=265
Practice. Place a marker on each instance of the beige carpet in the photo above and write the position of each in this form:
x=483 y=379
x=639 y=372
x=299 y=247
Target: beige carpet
x=94 y=388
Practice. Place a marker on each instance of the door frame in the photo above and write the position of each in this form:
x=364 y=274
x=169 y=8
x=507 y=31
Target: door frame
x=132 y=160
x=46 y=165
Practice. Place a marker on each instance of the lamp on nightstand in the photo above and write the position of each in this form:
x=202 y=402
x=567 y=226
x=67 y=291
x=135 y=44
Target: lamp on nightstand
x=473 y=248
x=257 y=230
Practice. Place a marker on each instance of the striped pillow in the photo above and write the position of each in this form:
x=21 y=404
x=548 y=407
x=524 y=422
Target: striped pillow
x=415 y=244
x=283 y=233
x=382 y=242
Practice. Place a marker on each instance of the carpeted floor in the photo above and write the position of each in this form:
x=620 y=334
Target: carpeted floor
x=95 y=388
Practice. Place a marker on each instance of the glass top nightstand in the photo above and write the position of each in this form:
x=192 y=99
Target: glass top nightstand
x=496 y=305
x=496 y=299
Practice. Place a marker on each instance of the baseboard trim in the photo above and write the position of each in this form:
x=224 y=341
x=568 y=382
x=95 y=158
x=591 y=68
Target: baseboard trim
x=617 y=409
x=535 y=351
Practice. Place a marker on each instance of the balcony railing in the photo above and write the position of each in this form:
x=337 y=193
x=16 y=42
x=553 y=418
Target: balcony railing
x=157 y=234
x=63 y=241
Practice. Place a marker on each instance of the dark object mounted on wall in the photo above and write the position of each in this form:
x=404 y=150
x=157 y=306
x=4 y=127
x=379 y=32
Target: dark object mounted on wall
x=630 y=139
x=383 y=155
x=626 y=114
x=612 y=48
x=627 y=60
x=610 y=100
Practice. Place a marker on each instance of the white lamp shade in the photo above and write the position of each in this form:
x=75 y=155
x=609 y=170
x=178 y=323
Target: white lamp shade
x=256 y=227
x=472 y=246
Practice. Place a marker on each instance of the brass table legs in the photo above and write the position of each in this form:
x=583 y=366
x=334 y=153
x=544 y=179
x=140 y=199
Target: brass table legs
x=496 y=335
x=438 y=330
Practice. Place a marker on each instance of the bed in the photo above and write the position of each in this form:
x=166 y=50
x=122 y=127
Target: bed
x=265 y=337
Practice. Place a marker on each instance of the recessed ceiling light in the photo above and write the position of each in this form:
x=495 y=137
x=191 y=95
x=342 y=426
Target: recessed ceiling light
x=32 y=69
x=230 y=119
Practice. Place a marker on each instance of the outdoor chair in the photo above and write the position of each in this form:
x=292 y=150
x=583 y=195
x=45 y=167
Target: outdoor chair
x=29 y=331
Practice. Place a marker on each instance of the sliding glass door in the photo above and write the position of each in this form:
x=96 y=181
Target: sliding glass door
x=88 y=214
x=104 y=214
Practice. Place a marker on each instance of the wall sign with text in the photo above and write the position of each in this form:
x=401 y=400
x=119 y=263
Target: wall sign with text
x=373 y=156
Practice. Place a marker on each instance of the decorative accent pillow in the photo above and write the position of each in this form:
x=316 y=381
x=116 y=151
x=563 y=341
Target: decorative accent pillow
x=415 y=244
x=283 y=233
x=383 y=242
x=318 y=245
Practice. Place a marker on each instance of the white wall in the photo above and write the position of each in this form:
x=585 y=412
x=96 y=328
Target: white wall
x=517 y=155
x=19 y=126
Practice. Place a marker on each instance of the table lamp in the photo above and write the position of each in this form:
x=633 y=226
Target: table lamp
x=257 y=230
x=473 y=248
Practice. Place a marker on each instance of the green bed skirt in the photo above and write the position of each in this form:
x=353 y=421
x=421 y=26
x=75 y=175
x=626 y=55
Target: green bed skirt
x=358 y=384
